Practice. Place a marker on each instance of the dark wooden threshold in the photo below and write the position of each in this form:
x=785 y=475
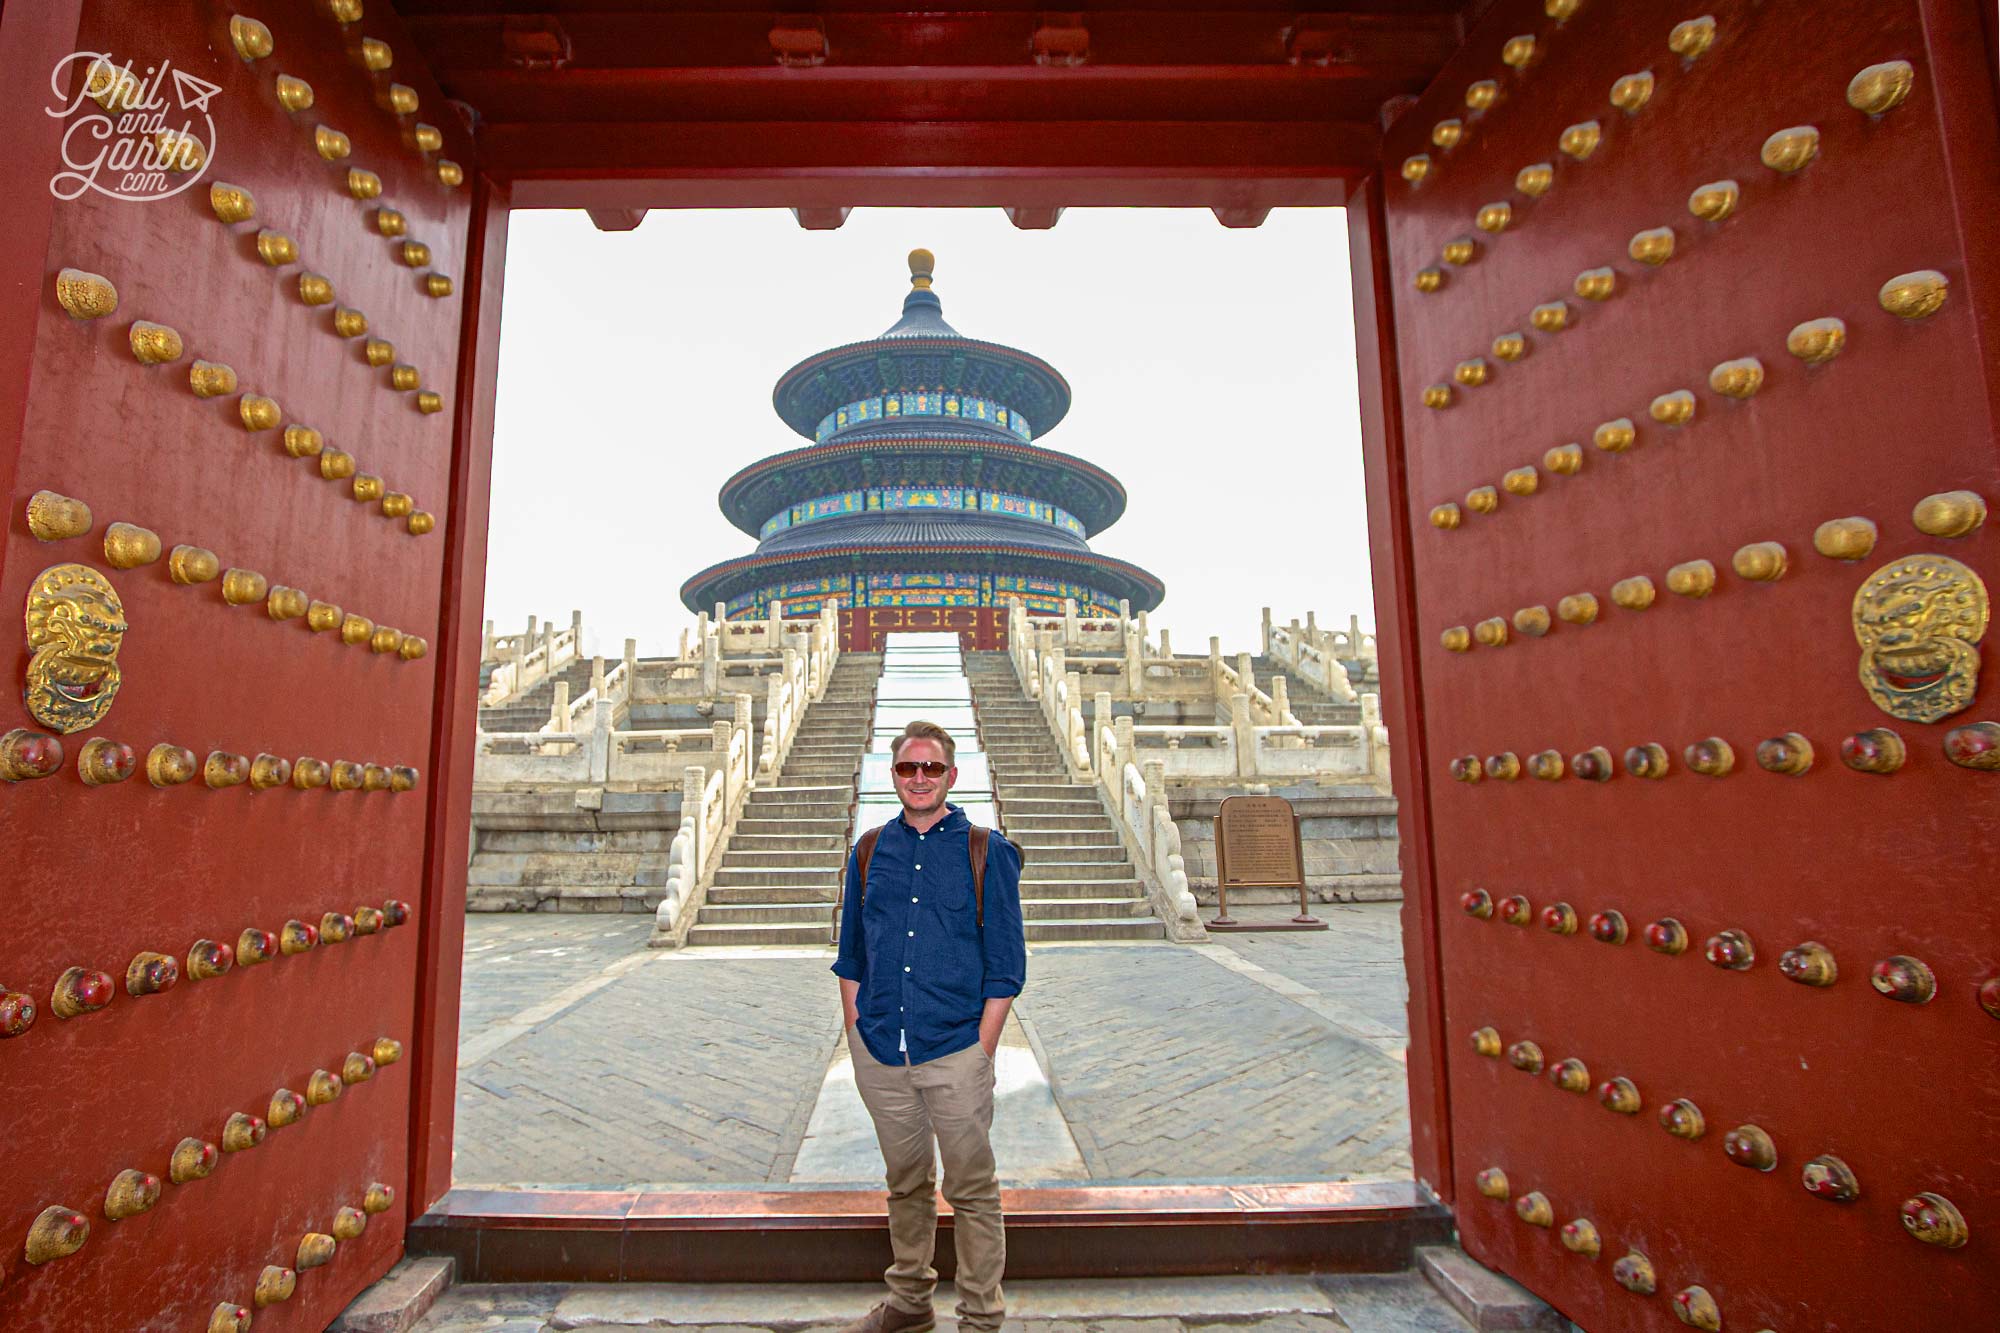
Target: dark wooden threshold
x=841 y=1235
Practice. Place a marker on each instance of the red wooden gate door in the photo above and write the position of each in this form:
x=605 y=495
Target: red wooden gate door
x=1694 y=318
x=224 y=564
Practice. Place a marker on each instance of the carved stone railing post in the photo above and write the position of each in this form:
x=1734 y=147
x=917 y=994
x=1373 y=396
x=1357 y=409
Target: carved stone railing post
x=1265 y=637
x=1069 y=623
x=559 y=708
x=1244 y=734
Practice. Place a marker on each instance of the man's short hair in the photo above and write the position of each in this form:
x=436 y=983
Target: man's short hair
x=929 y=731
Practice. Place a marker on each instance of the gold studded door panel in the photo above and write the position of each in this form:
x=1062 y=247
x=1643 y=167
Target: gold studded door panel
x=222 y=571
x=1693 y=313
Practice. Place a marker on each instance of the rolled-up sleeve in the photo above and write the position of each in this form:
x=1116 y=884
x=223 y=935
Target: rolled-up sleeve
x=852 y=958
x=1004 y=940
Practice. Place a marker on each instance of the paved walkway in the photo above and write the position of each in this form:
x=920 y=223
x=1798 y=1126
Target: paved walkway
x=1394 y=1303
x=588 y=1060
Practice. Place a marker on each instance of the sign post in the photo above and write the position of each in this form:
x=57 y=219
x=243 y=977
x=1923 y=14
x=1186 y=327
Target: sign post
x=1257 y=845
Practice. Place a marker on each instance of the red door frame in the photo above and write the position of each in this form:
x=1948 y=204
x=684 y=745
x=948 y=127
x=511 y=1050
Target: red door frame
x=431 y=1115
x=36 y=36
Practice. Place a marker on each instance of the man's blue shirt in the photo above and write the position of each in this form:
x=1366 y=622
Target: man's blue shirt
x=925 y=964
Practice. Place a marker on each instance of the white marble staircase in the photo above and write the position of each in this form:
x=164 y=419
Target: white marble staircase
x=779 y=879
x=1076 y=883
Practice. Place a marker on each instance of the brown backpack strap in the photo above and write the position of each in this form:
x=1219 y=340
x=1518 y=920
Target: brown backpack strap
x=862 y=851
x=975 y=846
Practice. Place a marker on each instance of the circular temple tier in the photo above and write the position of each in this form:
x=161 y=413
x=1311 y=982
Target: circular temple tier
x=922 y=485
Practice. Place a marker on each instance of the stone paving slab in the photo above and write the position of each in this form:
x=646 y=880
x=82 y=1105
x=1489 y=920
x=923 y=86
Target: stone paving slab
x=1358 y=958
x=1170 y=1066
x=589 y=1060
x=1394 y=1303
x=514 y=959
x=677 y=1074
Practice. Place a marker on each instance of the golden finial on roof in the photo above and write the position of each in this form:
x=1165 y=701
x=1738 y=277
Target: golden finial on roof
x=922 y=264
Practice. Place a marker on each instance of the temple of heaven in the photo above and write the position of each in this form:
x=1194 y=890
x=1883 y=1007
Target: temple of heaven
x=923 y=485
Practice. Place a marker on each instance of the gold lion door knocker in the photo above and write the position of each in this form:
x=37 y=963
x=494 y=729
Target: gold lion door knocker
x=1919 y=621
x=75 y=626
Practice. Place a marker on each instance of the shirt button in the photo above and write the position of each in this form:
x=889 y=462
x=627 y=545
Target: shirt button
x=906 y=969
x=913 y=900
x=920 y=865
x=912 y=934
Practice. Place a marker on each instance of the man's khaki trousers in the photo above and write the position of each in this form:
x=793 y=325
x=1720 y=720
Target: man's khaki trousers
x=950 y=1100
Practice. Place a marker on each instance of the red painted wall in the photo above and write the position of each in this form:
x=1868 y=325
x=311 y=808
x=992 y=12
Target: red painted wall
x=980 y=628
x=103 y=873
x=1870 y=866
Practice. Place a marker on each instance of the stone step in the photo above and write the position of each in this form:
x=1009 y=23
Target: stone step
x=803 y=876
x=794 y=813
x=739 y=858
x=833 y=827
x=1069 y=909
x=1047 y=791
x=1116 y=928
x=1069 y=845
x=738 y=936
x=1017 y=807
x=786 y=842
x=723 y=895
x=832 y=792
x=1040 y=867
x=1043 y=890
x=578 y=840
x=766 y=914
x=1079 y=815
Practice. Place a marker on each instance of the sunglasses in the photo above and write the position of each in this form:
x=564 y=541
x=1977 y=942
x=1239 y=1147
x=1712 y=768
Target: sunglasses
x=930 y=768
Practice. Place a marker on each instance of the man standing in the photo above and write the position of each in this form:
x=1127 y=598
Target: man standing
x=932 y=954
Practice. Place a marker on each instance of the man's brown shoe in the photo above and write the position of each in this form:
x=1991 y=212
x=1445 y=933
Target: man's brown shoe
x=886 y=1318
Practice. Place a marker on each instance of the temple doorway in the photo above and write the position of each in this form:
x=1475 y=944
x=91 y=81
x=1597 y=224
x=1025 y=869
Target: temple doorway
x=1144 y=1049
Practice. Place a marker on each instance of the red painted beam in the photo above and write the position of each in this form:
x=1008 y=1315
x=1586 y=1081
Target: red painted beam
x=605 y=98
x=821 y=219
x=956 y=164
x=1401 y=44
x=617 y=219
x=1034 y=217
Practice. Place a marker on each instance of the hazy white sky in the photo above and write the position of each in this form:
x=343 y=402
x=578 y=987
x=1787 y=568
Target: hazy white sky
x=1213 y=371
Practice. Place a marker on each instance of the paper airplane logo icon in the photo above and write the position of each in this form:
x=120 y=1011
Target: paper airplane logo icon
x=194 y=93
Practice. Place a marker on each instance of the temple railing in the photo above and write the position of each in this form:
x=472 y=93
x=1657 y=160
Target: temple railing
x=1315 y=655
x=1137 y=803
x=523 y=661
x=711 y=800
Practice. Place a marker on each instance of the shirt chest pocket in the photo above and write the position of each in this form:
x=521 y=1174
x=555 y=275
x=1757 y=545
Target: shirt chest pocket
x=954 y=894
